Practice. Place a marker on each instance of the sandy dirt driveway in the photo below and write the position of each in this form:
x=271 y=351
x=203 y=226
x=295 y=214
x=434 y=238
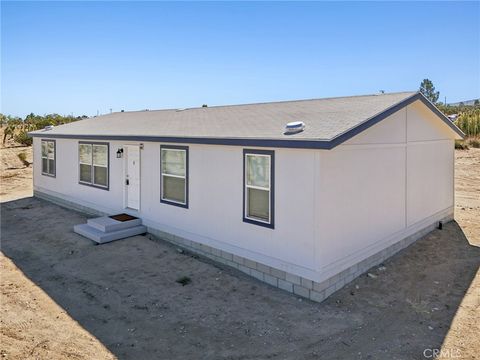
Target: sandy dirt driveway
x=63 y=297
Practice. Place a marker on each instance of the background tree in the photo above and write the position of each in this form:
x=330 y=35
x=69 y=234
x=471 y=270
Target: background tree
x=428 y=90
x=17 y=128
x=9 y=131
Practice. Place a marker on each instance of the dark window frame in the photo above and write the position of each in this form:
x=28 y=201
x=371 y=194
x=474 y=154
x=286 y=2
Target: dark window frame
x=108 y=165
x=187 y=175
x=271 y=153
x=54 y=175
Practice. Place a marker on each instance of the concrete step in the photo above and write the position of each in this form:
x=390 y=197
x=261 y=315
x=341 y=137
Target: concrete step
x=104 y=237
x=106 y=224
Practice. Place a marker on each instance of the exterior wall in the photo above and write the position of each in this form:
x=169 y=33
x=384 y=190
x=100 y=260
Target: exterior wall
x=430 y=165
x=337 y=212
x=66 y=181
x=214 y=216
x=383 y=185
x=363 y=192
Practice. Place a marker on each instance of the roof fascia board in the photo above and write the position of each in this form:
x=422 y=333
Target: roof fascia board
x=300 y=144
x=445 y=119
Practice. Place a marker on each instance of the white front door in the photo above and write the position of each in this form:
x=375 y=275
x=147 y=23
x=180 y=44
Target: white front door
x=132 y=176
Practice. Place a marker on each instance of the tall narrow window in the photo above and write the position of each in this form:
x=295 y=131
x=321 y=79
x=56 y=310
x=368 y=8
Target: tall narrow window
x=174 y=175
x=93 y=164
x=258 y=188
x=48 y=158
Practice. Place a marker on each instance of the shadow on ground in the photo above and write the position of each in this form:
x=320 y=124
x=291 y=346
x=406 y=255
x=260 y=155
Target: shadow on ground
x=125 y=294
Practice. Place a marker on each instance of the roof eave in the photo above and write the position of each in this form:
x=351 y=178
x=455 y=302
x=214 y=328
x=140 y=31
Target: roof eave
x=279 y=143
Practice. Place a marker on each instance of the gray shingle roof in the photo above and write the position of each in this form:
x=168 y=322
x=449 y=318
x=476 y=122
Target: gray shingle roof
x=264 y=123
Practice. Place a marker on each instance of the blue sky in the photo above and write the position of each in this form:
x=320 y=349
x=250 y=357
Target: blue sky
x=80 y=57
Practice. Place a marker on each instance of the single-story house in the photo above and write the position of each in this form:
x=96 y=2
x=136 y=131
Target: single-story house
x=303 y=195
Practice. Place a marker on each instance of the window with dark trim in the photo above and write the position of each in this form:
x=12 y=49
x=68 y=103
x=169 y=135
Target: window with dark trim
x=49 y=162
x=93 y=164
x=258 y=187
x=174 y=175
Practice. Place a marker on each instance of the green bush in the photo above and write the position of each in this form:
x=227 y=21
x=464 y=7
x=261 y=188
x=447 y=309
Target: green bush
x=22 y=138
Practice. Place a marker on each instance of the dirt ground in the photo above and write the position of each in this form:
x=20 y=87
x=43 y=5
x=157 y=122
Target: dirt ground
x=15 y=177
x=62 y=297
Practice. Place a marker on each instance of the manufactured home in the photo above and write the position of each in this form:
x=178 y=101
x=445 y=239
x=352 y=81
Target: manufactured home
x=303 y=195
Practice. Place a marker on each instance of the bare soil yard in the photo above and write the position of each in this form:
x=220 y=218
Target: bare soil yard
x=15 y=177
x=62 y=297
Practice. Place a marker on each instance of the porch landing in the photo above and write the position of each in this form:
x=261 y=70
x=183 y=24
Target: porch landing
x=108 y=228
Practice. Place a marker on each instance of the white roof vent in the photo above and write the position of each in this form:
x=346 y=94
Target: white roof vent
x=294 y=127
x=48 y=128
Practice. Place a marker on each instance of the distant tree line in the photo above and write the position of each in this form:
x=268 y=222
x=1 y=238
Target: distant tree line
x=467 y=116
x=16 y=128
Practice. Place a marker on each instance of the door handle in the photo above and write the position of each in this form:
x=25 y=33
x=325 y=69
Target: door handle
x=127 y=182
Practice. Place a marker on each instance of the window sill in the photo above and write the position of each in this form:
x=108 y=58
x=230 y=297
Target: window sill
x=185 y=206
x=259 y=223
x=94 y=186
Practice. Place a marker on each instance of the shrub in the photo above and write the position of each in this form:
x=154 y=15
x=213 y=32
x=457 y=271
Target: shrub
x=23 y=158
x=461 y=145
x=22 y=138
x=184 y=280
